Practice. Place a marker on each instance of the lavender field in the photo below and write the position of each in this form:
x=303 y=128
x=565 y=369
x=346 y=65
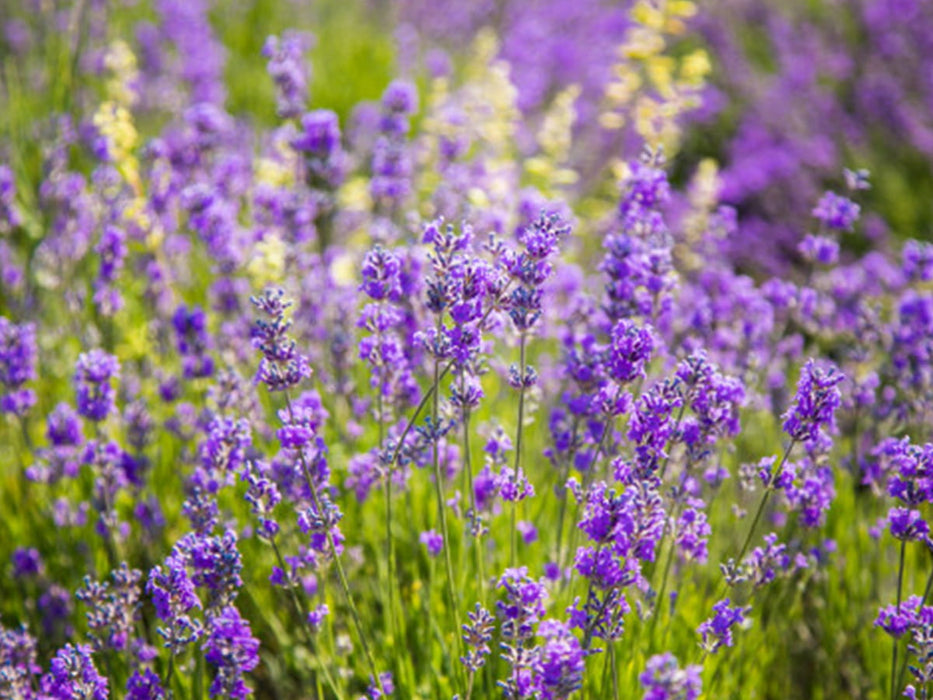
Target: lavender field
x=514 y=349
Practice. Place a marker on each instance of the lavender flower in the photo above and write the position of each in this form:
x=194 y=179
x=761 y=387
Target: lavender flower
x=10 y=217
x=193 y=342
x=433 y=541
x=477 y=635
x=113 y=608
x=94 y=372
x=663 y=679
x=815 y=403
x=17 y=663
x=560 y=661
x=716 y=632
x=836 y=212
x=392 y=163
x=174 y=597
x=73 y=675
x=282 y=366
x=17 y=366
x=144 y=685
x=230 y=647
x=288 y=70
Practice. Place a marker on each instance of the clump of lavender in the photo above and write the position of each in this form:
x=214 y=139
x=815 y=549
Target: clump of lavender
x=282 y=368
x=18 y=353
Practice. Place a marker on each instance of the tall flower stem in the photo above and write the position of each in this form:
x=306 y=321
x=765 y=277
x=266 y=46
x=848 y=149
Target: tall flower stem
x=477 y=540
x=518 y=445
x=900 y=584
x=332 y=546
x=439 y=492
x=302 y=610
x=769 y=487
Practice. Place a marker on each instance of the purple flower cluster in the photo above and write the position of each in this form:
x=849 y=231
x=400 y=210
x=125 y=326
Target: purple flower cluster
x=94 y=372
x=18 y=354
x=663 y=679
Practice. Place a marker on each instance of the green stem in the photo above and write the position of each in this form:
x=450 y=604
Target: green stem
x=439 y=492
x=518 y=445
x=900 y=583
x=478 y=539
x=769 y=487
x=332 y=546
x=302 y=610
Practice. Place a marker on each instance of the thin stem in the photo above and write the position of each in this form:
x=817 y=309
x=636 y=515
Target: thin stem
x=769 y=487
x=900 y=583
x=302 y=610
x=615 y=672
x=168 y=675
x=391 y=582
x=341 y=574
x=469 y=693
x=477 y=539
x=518 y=443
x=439 y=492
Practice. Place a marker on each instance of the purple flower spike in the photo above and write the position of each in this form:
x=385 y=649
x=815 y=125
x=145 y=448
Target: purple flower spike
x=815 y=404
x=560 y=662
x=433 y=541
x=836 y=212
x=717 y=631
x=73 y=675
x=17 y=366
x=231 y=648
x=663 y=679
x=93 y=373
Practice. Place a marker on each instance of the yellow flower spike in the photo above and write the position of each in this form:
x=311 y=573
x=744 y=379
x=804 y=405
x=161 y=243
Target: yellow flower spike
x=136 y=341
x=648 y=15
x=642 y=43
x=354 y=195
x=478 y=198
x=267 y=266
x=269 y=171
x=682 y=8
x=660 y=70
x=343 y=269
x=120 y=62
x=556 y=132
x=611 y=120
x=695 y=67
